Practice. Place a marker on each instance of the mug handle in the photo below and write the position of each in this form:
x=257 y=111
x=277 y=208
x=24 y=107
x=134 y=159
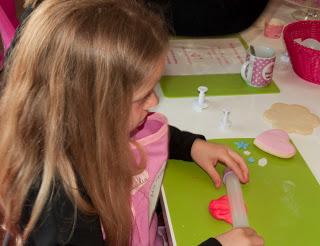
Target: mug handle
x=243 y=70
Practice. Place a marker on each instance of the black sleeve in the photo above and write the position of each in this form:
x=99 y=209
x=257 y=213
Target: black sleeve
x=180 y=144
x=210 y=17
x=61 y=224
x=211 y=242
x=45 y=231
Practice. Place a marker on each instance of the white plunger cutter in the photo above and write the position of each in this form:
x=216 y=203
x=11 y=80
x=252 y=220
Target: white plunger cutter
x=225 y=122
x=201 y=102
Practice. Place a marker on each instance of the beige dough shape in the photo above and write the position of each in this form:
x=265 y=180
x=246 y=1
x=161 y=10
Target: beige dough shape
x=292 y=118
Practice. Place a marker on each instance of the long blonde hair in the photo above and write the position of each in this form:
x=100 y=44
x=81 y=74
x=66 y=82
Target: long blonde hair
x=65 y=107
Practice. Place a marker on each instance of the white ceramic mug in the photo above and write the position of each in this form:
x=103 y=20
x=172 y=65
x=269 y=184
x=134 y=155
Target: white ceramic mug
x=258 y=69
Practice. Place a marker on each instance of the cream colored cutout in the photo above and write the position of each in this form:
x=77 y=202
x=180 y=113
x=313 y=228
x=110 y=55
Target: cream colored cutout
x=292 y=118
x=246 y=152
x=262 y=162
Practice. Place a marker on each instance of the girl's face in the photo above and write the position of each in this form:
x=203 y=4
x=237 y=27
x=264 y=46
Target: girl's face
x=145 y=97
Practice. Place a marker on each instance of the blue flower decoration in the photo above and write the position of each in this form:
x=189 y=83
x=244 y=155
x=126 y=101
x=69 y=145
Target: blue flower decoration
x=242 y=145
x=251 y=159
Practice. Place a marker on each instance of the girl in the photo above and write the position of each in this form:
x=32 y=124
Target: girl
x=76 y=140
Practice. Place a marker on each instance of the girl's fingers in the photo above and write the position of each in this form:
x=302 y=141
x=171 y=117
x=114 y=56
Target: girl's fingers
x=232 y=164
x=249 y=231
x=212 y=172
x=241 y=163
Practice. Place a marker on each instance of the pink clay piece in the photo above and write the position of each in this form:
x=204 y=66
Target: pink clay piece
x=220 y=209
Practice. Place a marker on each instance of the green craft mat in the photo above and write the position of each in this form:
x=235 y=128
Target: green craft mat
x=218 y=84
x=282 y=198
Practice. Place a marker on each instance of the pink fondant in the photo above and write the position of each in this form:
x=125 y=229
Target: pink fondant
x=220 y=209
x=275 y=142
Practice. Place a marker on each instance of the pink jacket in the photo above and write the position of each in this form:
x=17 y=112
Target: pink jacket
x=153 y=138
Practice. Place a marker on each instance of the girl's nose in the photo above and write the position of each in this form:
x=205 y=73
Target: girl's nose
x=153 y=101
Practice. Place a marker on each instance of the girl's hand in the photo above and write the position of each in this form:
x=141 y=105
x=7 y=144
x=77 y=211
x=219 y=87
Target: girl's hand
x=208 y=154
x=240 y=237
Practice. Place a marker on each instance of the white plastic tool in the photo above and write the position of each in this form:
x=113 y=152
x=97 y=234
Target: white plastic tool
x=238 y=210
x=225 y=122
x=285 y=57
x=201 y=102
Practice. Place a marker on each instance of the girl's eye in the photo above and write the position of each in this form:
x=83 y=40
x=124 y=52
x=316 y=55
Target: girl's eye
x=148 y=95
x=145 y=98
